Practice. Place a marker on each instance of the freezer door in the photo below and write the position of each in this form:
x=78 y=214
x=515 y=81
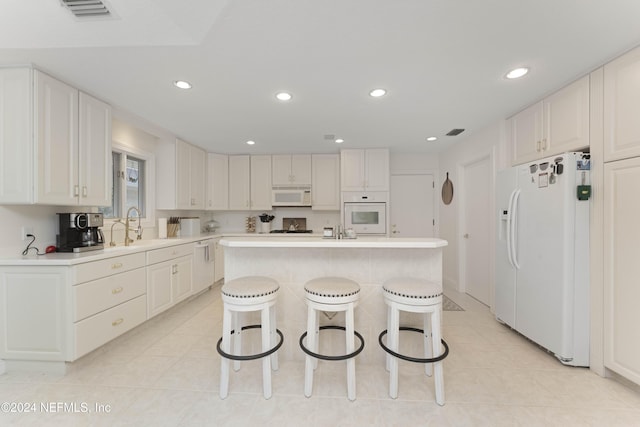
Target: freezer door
x=505 y=296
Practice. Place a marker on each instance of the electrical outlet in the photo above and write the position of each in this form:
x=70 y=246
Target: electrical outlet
x=26 y=230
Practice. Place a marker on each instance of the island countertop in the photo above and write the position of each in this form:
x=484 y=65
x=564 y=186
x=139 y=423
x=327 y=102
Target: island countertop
x=319 y=242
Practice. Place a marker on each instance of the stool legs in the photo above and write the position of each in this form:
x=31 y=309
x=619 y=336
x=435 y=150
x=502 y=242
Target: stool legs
x=310 y=363
x=236 y=326
x=274 y=337
x=393 y=334
x=428 y=344
x=437 y=346
x=266 y=345
x=226 y=347
x=351 y=363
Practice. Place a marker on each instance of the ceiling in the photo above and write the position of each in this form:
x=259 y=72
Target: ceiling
x=441 y=61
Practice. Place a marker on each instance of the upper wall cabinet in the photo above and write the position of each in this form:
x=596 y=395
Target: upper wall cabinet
x=291 y=170
x=325 y=183
x=181 y=177
x=59 y=151
x=217 y=182
x=250 y=182
x=557 y=124
x=364 y=170
x=261 y=183
x=621 y=106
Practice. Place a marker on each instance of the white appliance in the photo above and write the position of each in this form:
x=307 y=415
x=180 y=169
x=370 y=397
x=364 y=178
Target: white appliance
x=365 y=213
x=203 y=265
x=291 y=196
x=542 y=254
x=189 y=226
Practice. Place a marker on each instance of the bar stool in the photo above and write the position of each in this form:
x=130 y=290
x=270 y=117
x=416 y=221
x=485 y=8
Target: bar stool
x=332 y=294
x=415 y=296
x=245 y=294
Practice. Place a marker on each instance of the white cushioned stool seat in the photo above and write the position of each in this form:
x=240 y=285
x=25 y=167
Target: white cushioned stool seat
x=330 y=294
x=421 y=296
x=246 y=294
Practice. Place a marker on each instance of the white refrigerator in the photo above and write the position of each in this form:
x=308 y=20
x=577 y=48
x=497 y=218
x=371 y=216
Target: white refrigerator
x=542 y=259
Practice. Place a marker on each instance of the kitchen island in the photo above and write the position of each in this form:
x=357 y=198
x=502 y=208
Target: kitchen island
x=367 y=260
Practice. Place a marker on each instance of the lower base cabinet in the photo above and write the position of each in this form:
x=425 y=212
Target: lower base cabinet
x=169 y=277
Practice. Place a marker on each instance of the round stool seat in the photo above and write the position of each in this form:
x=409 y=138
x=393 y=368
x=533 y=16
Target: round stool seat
x=249 y=290
x=332 y=290
x=413 y=291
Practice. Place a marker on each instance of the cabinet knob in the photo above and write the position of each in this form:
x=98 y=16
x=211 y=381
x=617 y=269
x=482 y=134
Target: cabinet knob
x=116 y=265
x=76 y=190
x=116 y=290
x=117 y=322
x=84 y=191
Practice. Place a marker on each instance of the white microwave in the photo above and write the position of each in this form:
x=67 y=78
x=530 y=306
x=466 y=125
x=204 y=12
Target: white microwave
x=291 y=197
x=366 y=218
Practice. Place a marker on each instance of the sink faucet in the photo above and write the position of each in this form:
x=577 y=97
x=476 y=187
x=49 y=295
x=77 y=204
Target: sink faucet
x=116 y=221
x=138 y=230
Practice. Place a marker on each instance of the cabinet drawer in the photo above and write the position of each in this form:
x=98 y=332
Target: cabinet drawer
x=165 y=254
x=107 y=267
x=97 y=330
x=98 y=295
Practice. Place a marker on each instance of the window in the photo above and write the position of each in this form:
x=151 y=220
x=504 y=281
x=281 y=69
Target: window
x=130 y=185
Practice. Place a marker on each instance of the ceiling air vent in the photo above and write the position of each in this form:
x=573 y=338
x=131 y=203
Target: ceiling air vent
x=454 y=132
x=86 y=8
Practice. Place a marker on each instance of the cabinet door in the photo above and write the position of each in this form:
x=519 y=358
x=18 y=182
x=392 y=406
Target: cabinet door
x=325 y=185
x=94 y=152
x=182 y=278
x=621 y=268
x=621 y=106
x=217 y=182
x=239 y=184
x=56 y=141
x=261 y=183
x=218 y=260
x=197 y=169
x=183 y=175
x=352 y=170
x=566 y=119
x=16 y=147
x=159 y=287
x=301 y=169
x=377 y=169
x=526 y=134
x=281 y=169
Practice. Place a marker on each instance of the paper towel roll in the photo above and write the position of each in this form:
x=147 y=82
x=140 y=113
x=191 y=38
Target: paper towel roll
x=162 y=228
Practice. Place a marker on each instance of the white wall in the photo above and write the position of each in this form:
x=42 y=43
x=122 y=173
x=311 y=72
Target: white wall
x=488 y=141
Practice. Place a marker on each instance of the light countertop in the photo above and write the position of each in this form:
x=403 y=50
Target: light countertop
x=319 y=242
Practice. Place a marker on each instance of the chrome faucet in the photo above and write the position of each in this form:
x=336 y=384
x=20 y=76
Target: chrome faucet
x=138 y=230
x=116 y=221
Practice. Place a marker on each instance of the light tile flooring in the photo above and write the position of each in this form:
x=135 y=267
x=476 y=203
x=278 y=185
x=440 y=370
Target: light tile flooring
x=165 y=373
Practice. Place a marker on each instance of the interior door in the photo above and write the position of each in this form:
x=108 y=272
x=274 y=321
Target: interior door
x=476 y=229
x=411 y=205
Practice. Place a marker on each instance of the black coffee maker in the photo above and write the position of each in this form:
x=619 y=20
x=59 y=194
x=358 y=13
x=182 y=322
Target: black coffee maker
x=80 y=232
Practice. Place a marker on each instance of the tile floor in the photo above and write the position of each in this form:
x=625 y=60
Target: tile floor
x=165 y=373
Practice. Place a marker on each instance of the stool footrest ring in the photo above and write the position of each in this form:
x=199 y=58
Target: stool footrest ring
x=250 y=356
x=323 y=357
x=409 y=358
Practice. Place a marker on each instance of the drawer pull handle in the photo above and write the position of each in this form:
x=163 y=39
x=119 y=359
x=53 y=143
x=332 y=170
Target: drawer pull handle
x=117 y=322
x=116 y=290
x=116 y=265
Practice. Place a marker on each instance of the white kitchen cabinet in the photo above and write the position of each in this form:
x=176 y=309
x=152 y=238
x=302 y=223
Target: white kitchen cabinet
x=169 y=277
x=217 y=182
x=180 y=181
x=218 y=260
x=621 y=106
x=364 y=169
x=261 y=183
x=72 y=145
x=621 y=268
x=239 y=182
x=557 y=124
x=16 y=148
x=325 y=183
x=291 y=170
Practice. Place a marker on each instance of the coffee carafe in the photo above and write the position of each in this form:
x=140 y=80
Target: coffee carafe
x=80 y=232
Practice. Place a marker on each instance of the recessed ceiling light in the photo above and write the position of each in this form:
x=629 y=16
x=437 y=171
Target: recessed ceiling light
x=516 y=73
x=339 y=141
x=251 y=142
x=284 y=96
x=376 y=93
x=432 y=138
x=182 y=84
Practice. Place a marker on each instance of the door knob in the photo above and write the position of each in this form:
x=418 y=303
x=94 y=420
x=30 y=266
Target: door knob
x=466 y=235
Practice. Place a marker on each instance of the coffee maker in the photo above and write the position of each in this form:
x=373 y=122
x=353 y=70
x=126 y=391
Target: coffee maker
x=80 y=232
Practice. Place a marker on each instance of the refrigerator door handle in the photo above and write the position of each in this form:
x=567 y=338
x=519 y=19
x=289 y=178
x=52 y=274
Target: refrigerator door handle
x=509 y=216
x=513 y=225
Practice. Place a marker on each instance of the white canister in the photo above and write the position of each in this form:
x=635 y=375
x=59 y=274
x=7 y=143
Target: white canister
x=265 y=227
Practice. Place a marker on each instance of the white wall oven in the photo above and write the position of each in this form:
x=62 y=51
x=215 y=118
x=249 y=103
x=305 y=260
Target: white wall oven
x=366 y=213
